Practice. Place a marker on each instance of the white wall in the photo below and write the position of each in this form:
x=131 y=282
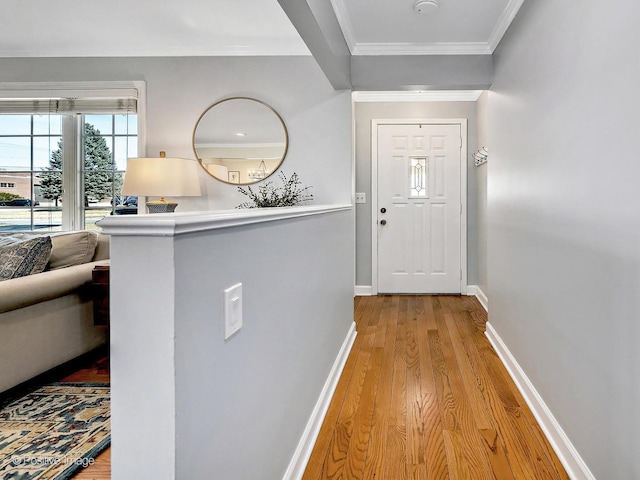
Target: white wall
x=364 y=113
x=179 y=89
x=564 y=222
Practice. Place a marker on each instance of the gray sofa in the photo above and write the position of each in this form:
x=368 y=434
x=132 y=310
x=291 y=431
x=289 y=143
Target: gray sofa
x=46 y=318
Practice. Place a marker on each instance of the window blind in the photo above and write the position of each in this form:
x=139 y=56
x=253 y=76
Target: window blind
x=68 y=105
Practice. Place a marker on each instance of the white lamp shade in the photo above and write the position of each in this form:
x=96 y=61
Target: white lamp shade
x=161 y=177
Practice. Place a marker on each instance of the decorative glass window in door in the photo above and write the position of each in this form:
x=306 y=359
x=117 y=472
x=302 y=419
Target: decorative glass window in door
x=419 y=176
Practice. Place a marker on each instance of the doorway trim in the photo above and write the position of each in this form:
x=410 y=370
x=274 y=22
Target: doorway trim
x=374 y=190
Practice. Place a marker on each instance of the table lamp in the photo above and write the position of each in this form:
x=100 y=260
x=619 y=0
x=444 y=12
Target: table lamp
x=160 y=177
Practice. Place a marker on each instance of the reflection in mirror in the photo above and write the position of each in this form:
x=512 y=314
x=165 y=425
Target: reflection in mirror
x=240 y=140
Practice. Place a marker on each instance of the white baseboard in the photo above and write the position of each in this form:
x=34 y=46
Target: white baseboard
x=476 y=291
x=576 y=467
x=310 y=435
x=362 y=291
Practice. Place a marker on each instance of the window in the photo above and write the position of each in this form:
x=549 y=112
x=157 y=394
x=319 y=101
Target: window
x=418 y=177
x=63 y=160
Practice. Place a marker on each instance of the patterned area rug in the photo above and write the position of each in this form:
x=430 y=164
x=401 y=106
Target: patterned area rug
x=54 y=431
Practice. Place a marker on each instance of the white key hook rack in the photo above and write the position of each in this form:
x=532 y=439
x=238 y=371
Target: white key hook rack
x=481 y=156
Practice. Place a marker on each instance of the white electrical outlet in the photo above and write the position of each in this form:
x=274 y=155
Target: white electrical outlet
x=232 y=310
x=361 y=197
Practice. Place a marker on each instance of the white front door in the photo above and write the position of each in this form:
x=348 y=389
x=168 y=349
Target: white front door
x=419 y=208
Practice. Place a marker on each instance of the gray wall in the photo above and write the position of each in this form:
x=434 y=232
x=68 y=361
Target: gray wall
x=364 y=113
x=564 y=224
x=481 y=195
x=428 y=72
x=180 y=89
x=242 y=405
x=188 y=404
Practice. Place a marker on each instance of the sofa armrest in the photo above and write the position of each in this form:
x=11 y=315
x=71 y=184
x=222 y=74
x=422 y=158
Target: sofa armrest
x=21 y=292
x=102 y=248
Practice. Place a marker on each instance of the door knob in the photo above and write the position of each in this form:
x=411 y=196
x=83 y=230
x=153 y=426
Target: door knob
x=383 y=222
x=383 y=210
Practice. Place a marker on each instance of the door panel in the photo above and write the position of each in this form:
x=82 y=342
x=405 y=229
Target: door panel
x=419 y=186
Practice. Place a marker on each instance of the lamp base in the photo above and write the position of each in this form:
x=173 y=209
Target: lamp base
x=161 y=207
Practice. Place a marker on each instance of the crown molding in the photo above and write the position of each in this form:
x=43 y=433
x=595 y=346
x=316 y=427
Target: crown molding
x=427 y=96
x=151 y=51
x=504 y=21
x=452 y=48
x=342 y=15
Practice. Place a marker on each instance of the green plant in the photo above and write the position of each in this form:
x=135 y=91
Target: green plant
x=8 y=196
x=288 y=195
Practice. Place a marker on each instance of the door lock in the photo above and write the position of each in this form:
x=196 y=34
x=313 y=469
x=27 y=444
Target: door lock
x=383 y=210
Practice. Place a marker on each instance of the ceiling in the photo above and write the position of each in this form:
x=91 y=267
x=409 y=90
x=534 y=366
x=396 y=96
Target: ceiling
x=75 y=28
x=374 y=27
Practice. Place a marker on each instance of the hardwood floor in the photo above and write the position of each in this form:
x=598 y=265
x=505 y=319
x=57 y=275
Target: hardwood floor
x=424 y=396
x=97 y=372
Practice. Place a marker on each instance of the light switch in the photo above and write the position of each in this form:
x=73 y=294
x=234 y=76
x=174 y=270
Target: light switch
x=232 y=310
x=361 y=197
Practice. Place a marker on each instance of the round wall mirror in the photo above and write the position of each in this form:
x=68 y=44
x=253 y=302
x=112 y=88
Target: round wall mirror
x=240 y=140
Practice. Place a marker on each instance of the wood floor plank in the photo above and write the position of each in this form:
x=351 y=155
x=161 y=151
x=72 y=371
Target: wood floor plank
x=374 y=463
x=496 y=397
x=441 y=381
x=395 y=459
x=365 y=415
x=357 y=453
x=469 y=380
x=416 y=428
x=319 y=452
x=544 y=449
x=395 y=466
x=417 y=472
x=338 y=447
x=516 y=407
x=397 y=411
x=358 y=307
x=416 y=402
x=434 y=443
x=542 y=458
x=456 y=458
x=436 y=457
x=425 y=319
x=331 y=431
x=493 y=446
x=100 y=470
x=477 y=460
x=430 y=319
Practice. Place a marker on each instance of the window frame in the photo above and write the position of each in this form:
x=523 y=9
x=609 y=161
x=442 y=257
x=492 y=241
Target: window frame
x=73 y=178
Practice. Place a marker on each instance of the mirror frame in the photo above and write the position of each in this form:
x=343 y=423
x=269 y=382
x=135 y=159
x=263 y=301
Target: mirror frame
x=284 y=128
